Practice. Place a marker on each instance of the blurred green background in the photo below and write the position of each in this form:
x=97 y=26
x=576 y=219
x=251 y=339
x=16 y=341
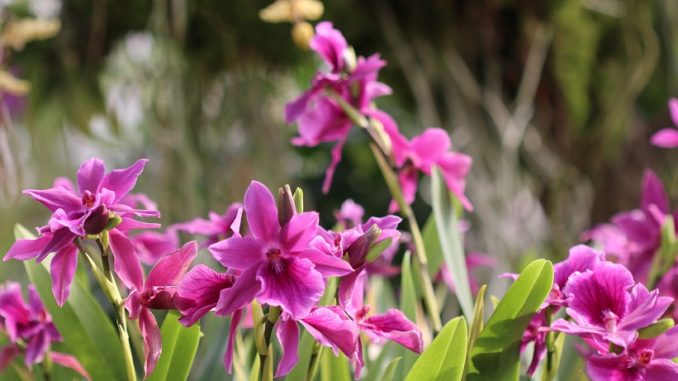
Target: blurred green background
x=555 y=101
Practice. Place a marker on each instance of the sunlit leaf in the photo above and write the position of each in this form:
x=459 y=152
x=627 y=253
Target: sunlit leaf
x=450 y=239
x=496 y=352
x=444 y=359
x=179 y=345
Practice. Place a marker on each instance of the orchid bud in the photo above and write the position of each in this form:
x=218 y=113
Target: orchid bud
x=357 y=252
x=656 y=329
x=97 y=220
x=286 y=206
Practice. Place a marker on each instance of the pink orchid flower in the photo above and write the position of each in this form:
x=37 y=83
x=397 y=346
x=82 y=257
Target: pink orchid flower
x=277 y=264
x=607 y=306
x=82 y=212
x=158 y=291
x=32 y=325
x=431 y=148
x=217 y=227
x=644 y=360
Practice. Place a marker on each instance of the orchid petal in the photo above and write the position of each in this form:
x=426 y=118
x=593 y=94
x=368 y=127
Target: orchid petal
x=261 y=211
x=152 y=339
x=238 y=253
x=56 y=198
x=121 y=181
x=90 y=175
x=287 y=332
x=296 y=287
x=299 y=231
x=198 y=292
x=169 y=269
x=228 y=355
x=126 y=262
x=24 y=249
x=244 y=290
x=70 y=362
x=326 y=264
x=62 y=269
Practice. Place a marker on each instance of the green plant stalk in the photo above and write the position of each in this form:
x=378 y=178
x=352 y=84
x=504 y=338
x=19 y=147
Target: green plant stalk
x=549 y=374
x=420 y=264
x=110 y=288
x=315 y=361
x=266 y=359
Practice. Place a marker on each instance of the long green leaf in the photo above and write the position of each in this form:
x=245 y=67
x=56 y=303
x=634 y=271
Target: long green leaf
x=179 y=345
x=334 y=368
x=432 y=245
x=88 y=332
x=496 y=352
x=444 y=359
x=390 y=370
x=476 y=325
x=446 y=220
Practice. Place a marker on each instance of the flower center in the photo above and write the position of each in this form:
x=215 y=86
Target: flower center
x=645 y=357
x=274 y=256
x=88 y=199
x=610 y=320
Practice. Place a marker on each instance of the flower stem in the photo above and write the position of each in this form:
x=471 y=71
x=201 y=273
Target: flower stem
x=266 y=360
x=421 y=269
x=315 y=361
x=108 y=285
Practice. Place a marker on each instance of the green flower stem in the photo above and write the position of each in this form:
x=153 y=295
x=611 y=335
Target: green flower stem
x=420 y=264
x=315 y=361
x=108 y=285
x=378 y=136
x=266 y=358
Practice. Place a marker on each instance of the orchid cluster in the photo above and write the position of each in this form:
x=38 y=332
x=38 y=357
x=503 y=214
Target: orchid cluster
x=344 y=95
x=30 y=331
x=616 y=316
x=275 y=256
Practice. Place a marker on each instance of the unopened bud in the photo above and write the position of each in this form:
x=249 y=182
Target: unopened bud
x=357 y=252
x=286 y=206
x=656 y=329
x=97 y=220
x=113 y=221
x=302 y=33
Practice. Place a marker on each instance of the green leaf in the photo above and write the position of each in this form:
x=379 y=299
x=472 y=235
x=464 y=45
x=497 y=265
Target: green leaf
x=476 y=325
x=450 y=240
x=334 y=368
x=89 y=334
x=434 y=253
x=444 y=359
x=179 y=345
x=390 y=369
x=378 y=248
x=496 y=352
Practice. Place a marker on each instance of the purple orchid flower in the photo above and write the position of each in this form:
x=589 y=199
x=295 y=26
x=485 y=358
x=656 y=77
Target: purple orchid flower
x=350 y=214
x=87 y=211
x=432 y=147
x=277 y=264
x=581 y=258
x=217 y=227
x=158 y=292
x=32 y=325
x=199 y=292
x=607 y=306
x=644 y=360
x=668 y=137
x=321 y=119
x=634 y=237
